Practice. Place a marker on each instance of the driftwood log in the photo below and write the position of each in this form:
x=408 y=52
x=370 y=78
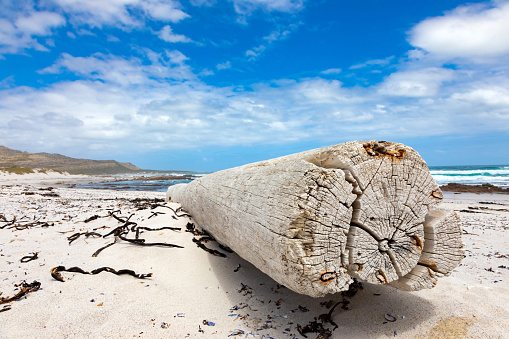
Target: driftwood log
x=313 y=220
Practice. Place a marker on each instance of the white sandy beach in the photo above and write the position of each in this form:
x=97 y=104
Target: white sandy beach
x=49 y=178
x=190 y=289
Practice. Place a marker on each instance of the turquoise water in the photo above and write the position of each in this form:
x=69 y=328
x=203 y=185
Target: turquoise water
x=470 y=175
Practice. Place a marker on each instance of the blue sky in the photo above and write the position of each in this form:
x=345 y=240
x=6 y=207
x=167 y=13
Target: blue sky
x=210 y=84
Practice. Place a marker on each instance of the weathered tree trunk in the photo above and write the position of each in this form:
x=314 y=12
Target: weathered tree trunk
x=313 y=220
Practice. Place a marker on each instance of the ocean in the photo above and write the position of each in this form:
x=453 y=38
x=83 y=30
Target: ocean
x=471 y=175
x=468 y=175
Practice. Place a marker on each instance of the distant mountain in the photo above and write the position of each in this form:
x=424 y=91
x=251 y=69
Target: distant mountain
x=10 y=158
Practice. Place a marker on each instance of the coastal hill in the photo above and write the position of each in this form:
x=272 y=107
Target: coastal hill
x=57 y=162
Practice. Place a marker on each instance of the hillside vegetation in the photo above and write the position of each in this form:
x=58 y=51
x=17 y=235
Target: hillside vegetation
x=10 y=158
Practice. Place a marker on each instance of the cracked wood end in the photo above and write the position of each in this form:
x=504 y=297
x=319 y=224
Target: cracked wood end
x=313 y=220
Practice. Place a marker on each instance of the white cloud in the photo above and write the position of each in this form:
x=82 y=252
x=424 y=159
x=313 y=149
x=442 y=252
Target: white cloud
x=207 y=3
x=39 y=23
x=120 y=13
x=124 y=71
x=493 y=96
x=415 y=83
x=166 y=10
x=224 y=65
x=112 y=38
x=166 y=34
x=21 y=22
x=98 y=13
x=20 y=27
x=473 y=31
x=176 y=57
x=249 y=6
x=277 y=35
x=273 y=37
x=374 y=62
x=188 y=113
x=154 y=101
x=254 y=53
x=331 y=71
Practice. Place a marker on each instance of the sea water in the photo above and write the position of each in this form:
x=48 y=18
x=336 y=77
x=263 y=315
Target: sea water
x=128 y=183
x=471 y=175
x=468 y=175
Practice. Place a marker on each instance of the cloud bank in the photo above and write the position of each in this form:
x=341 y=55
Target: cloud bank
x=452 y=81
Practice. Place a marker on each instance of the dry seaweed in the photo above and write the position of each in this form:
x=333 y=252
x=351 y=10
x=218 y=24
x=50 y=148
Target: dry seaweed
x=122 y=231
x=87 y=234
x=96 y=253
x=120 y=219
x=51 y=195
x=55 y=272
x=225 y=248
x=117 y=230
x=142 y=242
x=25 y=289
x=92 y=218
x=23 y=225
x=199 y=243
x=191 y=228
x=159 y=229
x=314 y=327
x=28 y=258
x=4 y=219
x=318 y=327
x=155 y=214
x=175 y=212
x=5 y=308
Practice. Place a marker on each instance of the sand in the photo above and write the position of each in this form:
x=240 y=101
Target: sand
x=195 y=294
x=48 y=178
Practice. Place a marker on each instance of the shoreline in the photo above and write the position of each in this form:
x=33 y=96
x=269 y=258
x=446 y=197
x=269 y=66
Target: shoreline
x=57 y=179
x=51 y=178
x=195 y=294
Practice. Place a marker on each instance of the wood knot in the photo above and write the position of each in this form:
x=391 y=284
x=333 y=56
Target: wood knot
x=381 y=149
x=428 y=263
x=382 y=278
x=356 y=267
x=418 y=242
x=326 y=277
x=383 y=245
x=437 y=194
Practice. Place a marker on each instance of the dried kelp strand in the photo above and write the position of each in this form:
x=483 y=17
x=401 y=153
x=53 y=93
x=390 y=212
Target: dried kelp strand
x=87 y=234
x=55 y=272
x=5 y=308
x=94 y=217
x=120 y=272
x=160 y=228
x=205 y=248
x=28 y=258
x=25 y=289
x=184 y=214
x=225 y=248
x=142 y=242
x=155 y=214
x=96 y=253
x=116 y=231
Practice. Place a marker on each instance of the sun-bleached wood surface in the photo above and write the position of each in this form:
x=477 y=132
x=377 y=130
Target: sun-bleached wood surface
x=313 y=220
